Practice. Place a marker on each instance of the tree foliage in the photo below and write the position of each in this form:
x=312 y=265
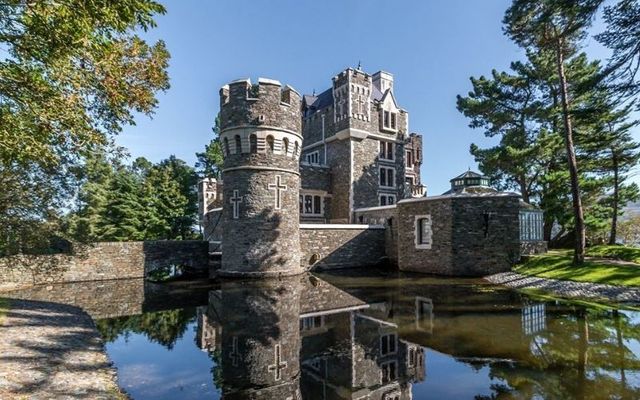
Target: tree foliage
x=142 y=201
x=525 y=109
x=209 y=162
x=72 y=73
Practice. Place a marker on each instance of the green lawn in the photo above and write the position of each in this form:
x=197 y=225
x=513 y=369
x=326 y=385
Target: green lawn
x=623 y=253
x=557 y=264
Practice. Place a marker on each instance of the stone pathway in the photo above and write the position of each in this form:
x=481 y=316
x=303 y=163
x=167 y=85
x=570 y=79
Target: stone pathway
x=570 y=289
x=53 y=351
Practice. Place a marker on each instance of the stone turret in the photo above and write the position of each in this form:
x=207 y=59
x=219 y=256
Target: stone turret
x=261 y=140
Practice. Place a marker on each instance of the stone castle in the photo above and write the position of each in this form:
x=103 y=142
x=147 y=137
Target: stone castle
x=333 y=180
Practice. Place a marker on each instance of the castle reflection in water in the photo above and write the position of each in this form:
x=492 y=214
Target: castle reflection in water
x=305 y=338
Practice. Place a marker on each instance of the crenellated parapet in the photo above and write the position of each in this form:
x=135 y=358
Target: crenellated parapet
x=262 y=118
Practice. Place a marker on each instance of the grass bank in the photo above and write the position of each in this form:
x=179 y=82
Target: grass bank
x=606 y=266
x=623 y=253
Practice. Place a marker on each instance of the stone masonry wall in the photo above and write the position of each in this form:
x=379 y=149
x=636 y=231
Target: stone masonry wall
x=472 y=235
x=339 y=159
x=388 y=217
x=102 y=261
x=315 y=177
x=337 y=247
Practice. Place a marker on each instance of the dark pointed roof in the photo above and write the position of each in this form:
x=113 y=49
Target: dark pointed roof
x=325 y=99
x=469 y=174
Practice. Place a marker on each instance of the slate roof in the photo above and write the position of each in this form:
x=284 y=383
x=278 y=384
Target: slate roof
x=468 y=174
x=325 y=99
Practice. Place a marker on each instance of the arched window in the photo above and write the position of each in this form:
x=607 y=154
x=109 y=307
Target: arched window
x=226 y=146
x=238 y=145
x=270 y=144
x=253 y=143
x=285 y=143
x=295 y=150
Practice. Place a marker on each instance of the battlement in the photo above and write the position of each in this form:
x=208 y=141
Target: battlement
x=267 y=103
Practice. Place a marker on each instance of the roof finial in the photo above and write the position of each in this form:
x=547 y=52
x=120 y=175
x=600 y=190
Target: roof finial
x=359 y=65
x=314 y=92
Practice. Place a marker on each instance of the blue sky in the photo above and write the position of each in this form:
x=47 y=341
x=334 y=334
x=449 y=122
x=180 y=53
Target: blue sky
x=431 y=47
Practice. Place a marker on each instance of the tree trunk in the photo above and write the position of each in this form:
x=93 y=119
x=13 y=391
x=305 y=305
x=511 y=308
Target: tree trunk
x=579 y=250
x=616 y=199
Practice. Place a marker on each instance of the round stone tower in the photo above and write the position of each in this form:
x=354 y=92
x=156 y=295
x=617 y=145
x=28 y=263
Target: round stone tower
x=260 y=133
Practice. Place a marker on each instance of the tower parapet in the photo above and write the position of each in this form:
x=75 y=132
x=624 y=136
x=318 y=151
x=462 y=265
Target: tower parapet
x=261 y=141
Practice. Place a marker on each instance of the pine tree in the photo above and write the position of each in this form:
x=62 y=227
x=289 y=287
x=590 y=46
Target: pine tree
x=124 y=212
x=557 y=26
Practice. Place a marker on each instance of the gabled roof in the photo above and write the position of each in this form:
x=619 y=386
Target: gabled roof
x=389 y=93
x=324 y=99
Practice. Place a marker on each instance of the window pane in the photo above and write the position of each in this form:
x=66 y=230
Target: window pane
x=390 y=177
x=386 y=119
x=393 y=120
x=383 y=176
x=300 y=201
x=383 y=200
x=389 y=151
x=392 y=344
x=382 y=152
x=391 y=200
x=316 y=204
x=307 y=204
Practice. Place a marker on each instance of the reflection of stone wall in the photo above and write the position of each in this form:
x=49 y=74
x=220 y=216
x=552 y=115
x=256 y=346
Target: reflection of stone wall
x=100 y=300
x=102 y=261
x=118 y=298
x=341 y=246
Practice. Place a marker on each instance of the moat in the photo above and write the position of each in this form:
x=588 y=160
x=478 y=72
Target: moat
x=350 y=335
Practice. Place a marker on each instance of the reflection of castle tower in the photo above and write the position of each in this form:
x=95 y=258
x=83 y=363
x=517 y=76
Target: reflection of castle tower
x=260 y=134
x=259 y=338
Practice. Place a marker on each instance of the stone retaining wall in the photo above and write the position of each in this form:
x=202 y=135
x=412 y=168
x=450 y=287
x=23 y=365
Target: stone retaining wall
x=101 y=261
x=341 y=246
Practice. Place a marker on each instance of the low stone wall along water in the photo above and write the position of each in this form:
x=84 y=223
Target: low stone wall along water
x=102 y=261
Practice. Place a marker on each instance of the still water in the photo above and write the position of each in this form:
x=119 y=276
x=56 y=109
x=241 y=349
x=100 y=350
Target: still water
x=394 y=337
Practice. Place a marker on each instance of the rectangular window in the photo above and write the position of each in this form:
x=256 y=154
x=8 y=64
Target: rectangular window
x=389 y=371
x=425 y=237
x=310 y=323
x=387 y=199
x=386 y=150
x=313 y=158
x=387 y=176
x=409 y=159
x=311 y=204
x=423 y=232
x=389 y=120
x=388 y=344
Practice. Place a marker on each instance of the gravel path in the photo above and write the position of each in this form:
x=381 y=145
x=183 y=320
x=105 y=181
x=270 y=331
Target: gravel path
x=52 y=351
x=584 y=290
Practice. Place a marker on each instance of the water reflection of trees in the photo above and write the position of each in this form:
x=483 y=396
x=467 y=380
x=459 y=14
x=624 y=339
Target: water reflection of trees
x=162 y=327
x=583 y=354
